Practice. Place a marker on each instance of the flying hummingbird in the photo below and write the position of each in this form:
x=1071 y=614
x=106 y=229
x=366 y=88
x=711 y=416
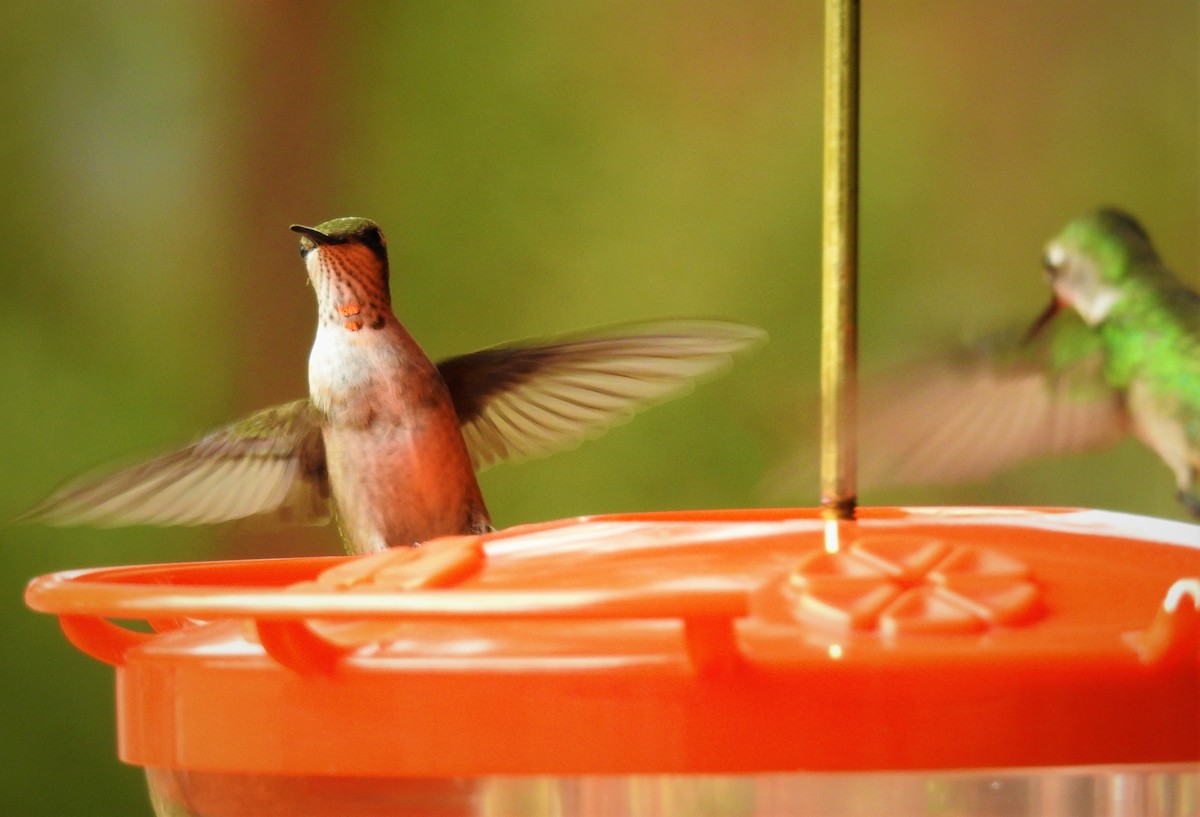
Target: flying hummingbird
x=1117 y=351
x=387 y=442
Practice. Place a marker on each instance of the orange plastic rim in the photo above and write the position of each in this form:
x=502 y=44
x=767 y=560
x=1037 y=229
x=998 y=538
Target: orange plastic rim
x=716 y=642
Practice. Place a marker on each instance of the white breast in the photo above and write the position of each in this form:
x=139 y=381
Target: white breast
x=342 y=361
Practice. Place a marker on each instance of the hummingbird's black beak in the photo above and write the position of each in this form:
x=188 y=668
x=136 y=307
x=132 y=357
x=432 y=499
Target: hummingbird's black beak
x=1053 y=308
x=312 y=234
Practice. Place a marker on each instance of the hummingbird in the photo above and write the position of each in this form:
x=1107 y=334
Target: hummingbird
x=387 y=442
x=1116 y=351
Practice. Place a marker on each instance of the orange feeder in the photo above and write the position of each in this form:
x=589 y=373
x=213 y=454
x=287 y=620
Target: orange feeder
x=915 y=661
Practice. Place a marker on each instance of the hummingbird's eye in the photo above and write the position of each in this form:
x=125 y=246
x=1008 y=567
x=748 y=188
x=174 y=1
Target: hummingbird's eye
x=1054 y=259
x=373 y=238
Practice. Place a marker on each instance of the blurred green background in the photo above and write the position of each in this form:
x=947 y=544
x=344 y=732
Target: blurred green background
x=538 y=167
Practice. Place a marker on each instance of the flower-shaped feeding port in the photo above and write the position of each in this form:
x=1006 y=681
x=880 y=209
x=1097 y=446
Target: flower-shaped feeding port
x=897 y=585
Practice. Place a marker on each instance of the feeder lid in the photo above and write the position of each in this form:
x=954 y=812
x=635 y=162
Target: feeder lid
x=721 y=642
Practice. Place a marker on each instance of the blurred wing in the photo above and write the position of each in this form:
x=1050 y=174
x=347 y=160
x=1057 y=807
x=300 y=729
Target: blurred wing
x=965 y=419
x=530 y=399
x=272 y=462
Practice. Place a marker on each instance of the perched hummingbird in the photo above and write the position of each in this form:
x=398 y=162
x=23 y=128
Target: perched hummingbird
x=387 y=441
x=1116 y=351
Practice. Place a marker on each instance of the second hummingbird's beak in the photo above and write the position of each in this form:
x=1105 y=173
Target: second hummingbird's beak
x=1053 y=308
x=312 y=234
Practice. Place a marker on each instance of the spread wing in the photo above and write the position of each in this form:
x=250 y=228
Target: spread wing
x=272 y=462
x=530 y=399
x=966 y=417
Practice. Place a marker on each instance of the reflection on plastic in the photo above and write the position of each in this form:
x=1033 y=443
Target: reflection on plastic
x=1110 y=792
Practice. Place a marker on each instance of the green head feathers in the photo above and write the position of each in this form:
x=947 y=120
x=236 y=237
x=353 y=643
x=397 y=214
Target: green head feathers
x=1110 y=240
x=348 y=230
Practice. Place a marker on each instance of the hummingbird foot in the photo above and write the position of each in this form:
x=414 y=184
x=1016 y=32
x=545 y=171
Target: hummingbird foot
x=478 y=520
x=1190 y=501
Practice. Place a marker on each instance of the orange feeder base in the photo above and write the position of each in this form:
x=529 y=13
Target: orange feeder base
x=916 y=661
